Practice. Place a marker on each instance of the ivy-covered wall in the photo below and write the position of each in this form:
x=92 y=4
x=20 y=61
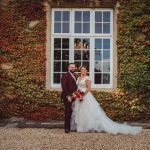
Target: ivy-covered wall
x=23 y=59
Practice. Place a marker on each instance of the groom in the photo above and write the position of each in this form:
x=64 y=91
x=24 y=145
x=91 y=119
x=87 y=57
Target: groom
x=68 y=84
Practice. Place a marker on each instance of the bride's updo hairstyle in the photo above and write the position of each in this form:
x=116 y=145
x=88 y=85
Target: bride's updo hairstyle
x=84 y=67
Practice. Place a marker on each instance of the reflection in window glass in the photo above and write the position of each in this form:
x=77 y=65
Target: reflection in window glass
x=77 y=55
x=57 y=66
x=98 y=16
x=86 y=27
x=65 y=55
x=61 y=22
x=57 y=28
x=106 y=66
x=86 y=55
x=65 y=66
x=98 y=78
x=78 y=28
x=78 y=64
x=106 y=16
x=106 y=28
x=57 y=16
x=65 y=43
x=98 y=67
x=86 y=16
x=106 y=78
x=82 y=22
x=106 y=55
x=65 y=28
x=86 y=64
x=57 y=43
x=78 y=16
x=98 y=55
x=106 y=43
x=98 y=27
x=57 y=54
x=102 y=59
x=56 y=78
x=66 y=16
x=82 y=43
x=98 y=43
x=102 y=22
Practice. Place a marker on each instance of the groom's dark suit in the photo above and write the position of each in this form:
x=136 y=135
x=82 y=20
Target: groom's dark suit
x=68 y=84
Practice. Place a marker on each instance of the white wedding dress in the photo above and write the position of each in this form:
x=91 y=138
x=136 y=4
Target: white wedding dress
x=87 y=115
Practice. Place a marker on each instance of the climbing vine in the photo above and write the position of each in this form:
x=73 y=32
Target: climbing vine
x=23 y=63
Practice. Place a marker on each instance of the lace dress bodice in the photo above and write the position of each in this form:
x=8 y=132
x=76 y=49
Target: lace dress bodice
x=81 y=83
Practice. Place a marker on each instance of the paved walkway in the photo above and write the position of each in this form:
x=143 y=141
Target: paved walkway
x=49 y=124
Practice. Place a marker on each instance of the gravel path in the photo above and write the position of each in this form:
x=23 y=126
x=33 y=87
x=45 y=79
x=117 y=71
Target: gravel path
x=56 y=139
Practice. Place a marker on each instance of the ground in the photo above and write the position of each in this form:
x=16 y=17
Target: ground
x=56 y=139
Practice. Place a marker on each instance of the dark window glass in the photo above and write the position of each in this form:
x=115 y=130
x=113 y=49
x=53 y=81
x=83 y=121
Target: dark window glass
x=57 y=66
x=98 y=78
x=57 y=54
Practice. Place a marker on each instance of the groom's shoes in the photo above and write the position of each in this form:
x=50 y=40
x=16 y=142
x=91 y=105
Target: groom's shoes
x=66 y=131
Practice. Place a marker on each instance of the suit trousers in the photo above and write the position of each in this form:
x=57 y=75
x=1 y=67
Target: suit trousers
x=68 y=112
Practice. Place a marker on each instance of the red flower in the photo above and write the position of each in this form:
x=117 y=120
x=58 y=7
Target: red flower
x=78 y=95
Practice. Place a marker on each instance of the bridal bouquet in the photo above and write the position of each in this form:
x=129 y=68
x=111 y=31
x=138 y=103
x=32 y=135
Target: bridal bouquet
x=78 y=95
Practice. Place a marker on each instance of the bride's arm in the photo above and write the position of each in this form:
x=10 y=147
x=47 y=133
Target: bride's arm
x=88 y=86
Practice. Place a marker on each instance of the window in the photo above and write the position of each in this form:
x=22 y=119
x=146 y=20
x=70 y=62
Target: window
x=84 y=37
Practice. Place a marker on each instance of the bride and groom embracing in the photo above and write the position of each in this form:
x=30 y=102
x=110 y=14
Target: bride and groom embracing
x=86 y=115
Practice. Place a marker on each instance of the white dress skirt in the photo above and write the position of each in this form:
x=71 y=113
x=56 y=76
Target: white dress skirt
x=87 y=116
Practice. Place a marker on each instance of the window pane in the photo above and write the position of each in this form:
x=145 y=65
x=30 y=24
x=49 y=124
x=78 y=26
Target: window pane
x=57 y=66
x=86 y=55
x=106 y=16
x=106 y=55
x=106 y=43
x=86 y=43
x=56 y=77
x=66 y=16
x=77 y=27
x=98 y=78
x=57 y=54
x=106 y=66
x=98 y=55
x=78 y=64
x=57 y=15
x=65 y=55
x=65 y=66
x=77 y=55
x=65 y=43
x=86 y=16
x=65 y=28
x=106 y=78
x=98 y=16
x=78 y=16
x=106 y=28
x=98 y=43
x=86 y=28
x=57 y=43
x=98 y=67
x=77 y=44
x=98 y=27
x=57 y=28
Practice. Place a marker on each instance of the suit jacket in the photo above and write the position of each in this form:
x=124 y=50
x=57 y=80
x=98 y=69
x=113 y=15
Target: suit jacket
x=68 y=85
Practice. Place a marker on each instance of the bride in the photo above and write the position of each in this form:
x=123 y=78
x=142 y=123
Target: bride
x=87 y=115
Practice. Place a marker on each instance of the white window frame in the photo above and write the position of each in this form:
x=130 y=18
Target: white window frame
x=92 y=37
